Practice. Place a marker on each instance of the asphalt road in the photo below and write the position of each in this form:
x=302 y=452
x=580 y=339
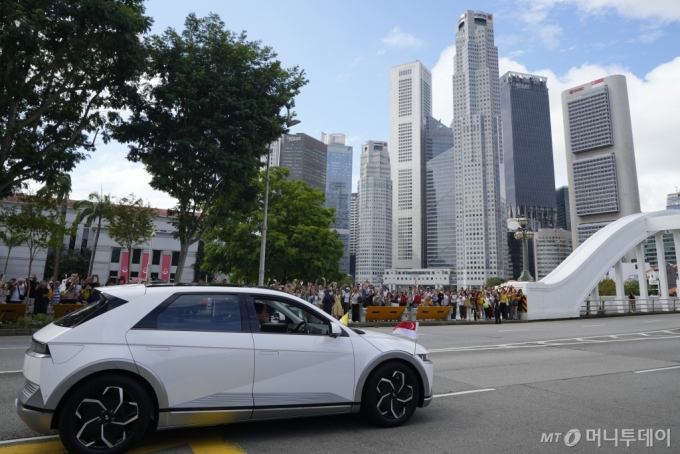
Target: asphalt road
x=499 y=388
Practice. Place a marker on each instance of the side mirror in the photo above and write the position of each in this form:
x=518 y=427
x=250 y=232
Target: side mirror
x=335 y=330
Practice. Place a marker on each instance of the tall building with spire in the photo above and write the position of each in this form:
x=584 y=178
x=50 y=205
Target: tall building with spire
x=479 y=175
x=374 y=248
x=410 y=106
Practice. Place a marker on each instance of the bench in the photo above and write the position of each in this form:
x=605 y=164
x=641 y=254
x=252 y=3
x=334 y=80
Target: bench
x=11 y=312
x=375 y=313
x=62 y=309
x=433 y=312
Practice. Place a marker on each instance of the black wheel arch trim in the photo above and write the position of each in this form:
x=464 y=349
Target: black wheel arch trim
x=56 y=398
x=396 y=355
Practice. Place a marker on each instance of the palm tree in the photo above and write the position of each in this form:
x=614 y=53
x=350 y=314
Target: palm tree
x=92 y=209
x=11 y=241
x=61 y=190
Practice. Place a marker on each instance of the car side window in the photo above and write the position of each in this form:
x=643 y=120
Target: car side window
x=202 y=312
x=285 y=317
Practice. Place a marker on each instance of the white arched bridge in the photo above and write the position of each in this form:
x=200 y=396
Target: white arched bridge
x=562 y=293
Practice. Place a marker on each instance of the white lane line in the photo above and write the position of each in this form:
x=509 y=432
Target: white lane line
x=654 y=370
x=11 y=371
x=14 y=348
x=19 y=440
x=510 y=330
x=464 y=392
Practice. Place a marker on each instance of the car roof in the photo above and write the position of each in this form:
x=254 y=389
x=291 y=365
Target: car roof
x=167 y=288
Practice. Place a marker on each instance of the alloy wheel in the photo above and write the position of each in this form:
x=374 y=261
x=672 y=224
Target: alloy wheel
x=394 y=393
x=106 y=420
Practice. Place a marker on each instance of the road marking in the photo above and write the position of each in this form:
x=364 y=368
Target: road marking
x=591 y=326
x=510 y=330
x=11 y=371
x=465 y=392
x=654 y=370
x=20 y=440
x=202 y=445
x=14 y=348
x=605 y=338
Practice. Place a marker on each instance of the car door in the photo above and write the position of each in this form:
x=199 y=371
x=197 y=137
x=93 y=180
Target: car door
x=199 y=346
x=300 y=369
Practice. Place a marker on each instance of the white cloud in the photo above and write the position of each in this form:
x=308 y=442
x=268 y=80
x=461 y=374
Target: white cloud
x=442 y=86
x=356 y=61
x=654 y=114
x=664 y=10
x=398 y=38
x=380 y=51
x=549 y=35
x=116 y=176
x=648 y=37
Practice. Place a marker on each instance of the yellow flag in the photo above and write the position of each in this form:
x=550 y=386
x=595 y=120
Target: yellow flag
x=345 y=319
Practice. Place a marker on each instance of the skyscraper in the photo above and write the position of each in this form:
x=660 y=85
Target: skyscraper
x=274 y=153
x=374 y=248
x=563 y=215
x=552 y=246
x=339 y=189
x=440 y=196
x=354 y=233
x=600 y=155
x=306 y=159
x=527 y=148
x=479 y=180
x=410 y=106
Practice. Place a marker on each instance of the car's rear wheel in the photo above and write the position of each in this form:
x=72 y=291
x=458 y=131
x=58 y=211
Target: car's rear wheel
x=390 y=395
x=108 y=414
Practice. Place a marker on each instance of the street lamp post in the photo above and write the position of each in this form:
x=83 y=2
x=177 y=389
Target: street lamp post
x=524 y=234
x=263 y=241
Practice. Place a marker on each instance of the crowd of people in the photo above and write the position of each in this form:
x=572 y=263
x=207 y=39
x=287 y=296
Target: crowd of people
x=500 y=303
x=41 y=294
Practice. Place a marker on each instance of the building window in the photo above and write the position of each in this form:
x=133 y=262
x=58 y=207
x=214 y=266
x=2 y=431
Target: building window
x=134 y=273
x=175 y=258
x=154 y=275
x=172 y=277
x=156 y=259
x=113 y=273
x=115 y=255
x=136 y=256
x=83 y=242
x=72 y=243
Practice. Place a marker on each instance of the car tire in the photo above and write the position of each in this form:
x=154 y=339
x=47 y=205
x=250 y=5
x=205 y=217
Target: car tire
x=108 y=414
x=391 y=394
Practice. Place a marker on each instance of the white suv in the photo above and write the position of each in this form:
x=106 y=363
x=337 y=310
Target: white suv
x=147 y=357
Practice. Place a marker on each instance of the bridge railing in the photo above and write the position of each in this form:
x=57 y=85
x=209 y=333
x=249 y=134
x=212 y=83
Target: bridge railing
x=612 y=306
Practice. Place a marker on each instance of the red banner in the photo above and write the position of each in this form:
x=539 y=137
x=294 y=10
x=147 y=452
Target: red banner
x=145 y=265
x=165 y=267
x=124 y=272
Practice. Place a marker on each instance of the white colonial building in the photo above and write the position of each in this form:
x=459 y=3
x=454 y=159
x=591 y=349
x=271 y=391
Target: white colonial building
x=110 y=259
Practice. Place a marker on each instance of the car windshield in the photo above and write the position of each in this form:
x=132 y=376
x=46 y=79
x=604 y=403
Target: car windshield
x=106 y=303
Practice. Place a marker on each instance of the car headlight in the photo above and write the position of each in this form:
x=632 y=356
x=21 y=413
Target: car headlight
x=39 y=347
x=424 y=356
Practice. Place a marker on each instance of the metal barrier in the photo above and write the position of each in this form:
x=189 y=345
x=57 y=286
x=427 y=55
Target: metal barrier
x=612 y=306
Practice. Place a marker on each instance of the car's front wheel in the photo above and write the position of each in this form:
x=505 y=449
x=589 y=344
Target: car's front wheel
x=108 y=414
x=391 y=395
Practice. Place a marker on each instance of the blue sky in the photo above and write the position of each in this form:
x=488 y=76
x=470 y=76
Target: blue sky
x=347 y=47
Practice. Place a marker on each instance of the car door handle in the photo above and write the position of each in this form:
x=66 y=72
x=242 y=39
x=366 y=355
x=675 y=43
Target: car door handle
x=269 y=352
x=158 y=349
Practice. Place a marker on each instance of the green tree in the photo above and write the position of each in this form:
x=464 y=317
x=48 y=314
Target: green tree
x=632 y=286
x=61 y=191
x=203 y=124
x=494 y=281
x=11 y=240
x=300 y=242
x=38 y=218
x=72 y=262
x=607 y=287
x=130 y=223
x=62 y=62
x=91 y=210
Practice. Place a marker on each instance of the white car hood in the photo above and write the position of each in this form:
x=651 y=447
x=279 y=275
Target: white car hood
x=389 y=342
